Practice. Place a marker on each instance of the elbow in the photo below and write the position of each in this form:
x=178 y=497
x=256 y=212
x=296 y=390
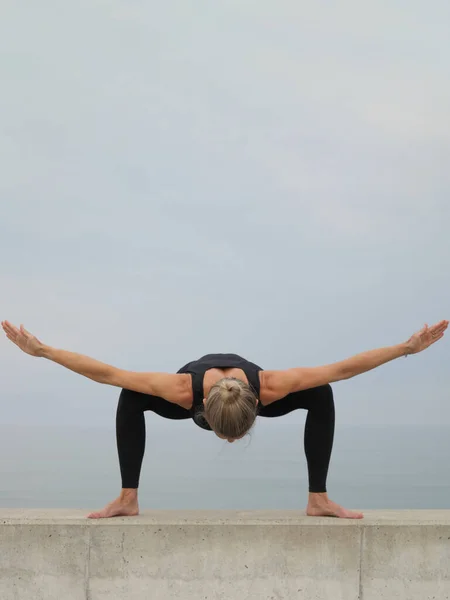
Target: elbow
x=343 y=373
x=109 y=376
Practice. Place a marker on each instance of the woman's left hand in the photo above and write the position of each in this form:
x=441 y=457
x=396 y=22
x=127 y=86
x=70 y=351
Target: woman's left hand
x=426 y=337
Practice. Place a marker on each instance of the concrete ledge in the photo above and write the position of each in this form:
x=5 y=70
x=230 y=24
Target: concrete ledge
x=201 y=555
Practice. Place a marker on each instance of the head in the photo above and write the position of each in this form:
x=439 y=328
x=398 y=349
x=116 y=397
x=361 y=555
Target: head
x=231 y=408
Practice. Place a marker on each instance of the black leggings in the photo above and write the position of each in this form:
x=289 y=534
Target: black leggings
x=319 y=429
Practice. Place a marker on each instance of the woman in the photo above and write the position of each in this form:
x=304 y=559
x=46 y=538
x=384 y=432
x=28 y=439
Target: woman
x=225 y=393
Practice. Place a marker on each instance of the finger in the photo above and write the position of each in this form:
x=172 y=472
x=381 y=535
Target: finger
x=24 y=331
x=439 y=327
x=443 y=322
x=439 y=330
x=438 y=337
x=439 y=324
x=12 y=328
x=8 y=328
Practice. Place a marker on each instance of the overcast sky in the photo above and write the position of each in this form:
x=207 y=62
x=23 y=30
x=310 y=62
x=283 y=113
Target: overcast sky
x=266 y=178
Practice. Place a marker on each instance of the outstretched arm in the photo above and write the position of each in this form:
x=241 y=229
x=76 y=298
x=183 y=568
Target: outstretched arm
x=277 y=384
x=171 y=387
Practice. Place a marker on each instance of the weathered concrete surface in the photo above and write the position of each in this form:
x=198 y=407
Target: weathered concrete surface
x=60 y=555
x=406 y=562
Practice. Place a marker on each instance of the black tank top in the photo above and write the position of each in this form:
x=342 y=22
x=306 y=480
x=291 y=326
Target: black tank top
x=198 y=368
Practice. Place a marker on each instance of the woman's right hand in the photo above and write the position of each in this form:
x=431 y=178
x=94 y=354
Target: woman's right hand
x=23 y=339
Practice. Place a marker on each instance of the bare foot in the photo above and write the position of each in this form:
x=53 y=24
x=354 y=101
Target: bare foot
x=126 y=505
x=319 y=505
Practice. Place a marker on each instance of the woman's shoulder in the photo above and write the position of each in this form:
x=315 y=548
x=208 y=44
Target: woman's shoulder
x=185 y=395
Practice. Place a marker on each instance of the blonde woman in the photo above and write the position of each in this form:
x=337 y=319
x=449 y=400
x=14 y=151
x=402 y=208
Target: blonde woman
x=225 y=393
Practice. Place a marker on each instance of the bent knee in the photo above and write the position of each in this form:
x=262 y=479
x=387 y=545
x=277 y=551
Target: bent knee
x=325 y=390
x=128 y=399
x=325 y=394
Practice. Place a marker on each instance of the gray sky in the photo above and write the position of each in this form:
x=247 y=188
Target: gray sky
x=266 y=178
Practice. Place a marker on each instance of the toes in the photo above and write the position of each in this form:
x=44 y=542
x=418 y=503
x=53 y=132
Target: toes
x=97 y=515
x=352 y=515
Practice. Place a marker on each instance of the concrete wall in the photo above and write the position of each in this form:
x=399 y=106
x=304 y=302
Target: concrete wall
x=60 y=555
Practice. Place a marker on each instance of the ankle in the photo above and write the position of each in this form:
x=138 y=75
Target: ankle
x=318 y=497
x=128 y=494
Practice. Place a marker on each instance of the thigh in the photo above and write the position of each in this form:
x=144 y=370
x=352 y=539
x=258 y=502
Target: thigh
x=142 y=402
x=306 y=399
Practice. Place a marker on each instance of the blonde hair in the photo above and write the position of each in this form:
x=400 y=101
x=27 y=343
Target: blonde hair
x=231 y=408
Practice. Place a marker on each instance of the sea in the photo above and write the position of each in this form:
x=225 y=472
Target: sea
x=372 y=467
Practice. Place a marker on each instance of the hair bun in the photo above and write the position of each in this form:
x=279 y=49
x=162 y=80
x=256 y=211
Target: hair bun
x=234 y=390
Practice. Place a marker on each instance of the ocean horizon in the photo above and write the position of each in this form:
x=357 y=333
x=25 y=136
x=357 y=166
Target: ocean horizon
x=372 y=467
